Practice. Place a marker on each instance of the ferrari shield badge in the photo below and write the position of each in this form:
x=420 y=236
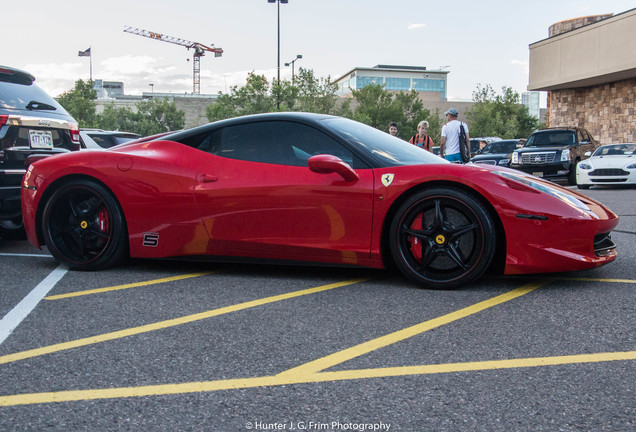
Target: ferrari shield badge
x=387 y=179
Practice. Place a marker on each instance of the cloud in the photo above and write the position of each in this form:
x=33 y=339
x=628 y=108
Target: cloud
x=416 y=26
x=524 y=63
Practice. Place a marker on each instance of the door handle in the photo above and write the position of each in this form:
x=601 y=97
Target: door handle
x=207 y=178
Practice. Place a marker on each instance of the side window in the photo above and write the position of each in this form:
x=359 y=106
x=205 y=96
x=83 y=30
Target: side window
x=274 y=142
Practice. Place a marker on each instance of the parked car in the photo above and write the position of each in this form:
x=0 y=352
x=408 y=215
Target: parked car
x=612 y=164
x=300 y=187
x=32 y=126
x=475 y=142
x=554 y=152
x=98 y=139
x=496 y=153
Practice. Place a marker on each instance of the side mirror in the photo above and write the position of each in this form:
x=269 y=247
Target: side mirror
x=327 y=164
x=588 y=153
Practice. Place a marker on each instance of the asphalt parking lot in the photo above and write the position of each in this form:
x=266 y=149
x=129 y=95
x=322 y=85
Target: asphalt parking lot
x=167 y=346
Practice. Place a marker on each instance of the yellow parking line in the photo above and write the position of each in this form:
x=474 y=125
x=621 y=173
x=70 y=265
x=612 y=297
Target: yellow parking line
x=126 y=286
x=584 y=279
x=168 y=323
x=383 y=341
x=278 y=380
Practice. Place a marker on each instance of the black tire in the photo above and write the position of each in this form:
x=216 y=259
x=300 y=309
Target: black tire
x=442 y=238
x=572 y=173
x=84 y=227
x=12 y=229
x=583 y=186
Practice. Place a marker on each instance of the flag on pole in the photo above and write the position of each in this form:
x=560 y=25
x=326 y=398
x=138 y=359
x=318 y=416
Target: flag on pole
x=86 y=53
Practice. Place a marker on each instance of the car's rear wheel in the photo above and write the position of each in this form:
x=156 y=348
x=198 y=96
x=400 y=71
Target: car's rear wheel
x=583 y=186
x=84 y=227
x=442 y=238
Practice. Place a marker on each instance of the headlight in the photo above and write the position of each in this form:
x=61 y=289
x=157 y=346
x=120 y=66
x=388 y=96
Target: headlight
x=515 y=158
x=631 y=166
x=565 y=155
x=504 y=162
x=584 y=166
x=545 y=188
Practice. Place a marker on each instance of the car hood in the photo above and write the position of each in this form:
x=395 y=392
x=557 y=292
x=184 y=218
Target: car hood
x=611 y=161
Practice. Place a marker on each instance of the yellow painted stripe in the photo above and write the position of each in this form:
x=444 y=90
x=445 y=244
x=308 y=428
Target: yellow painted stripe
x=168 y=323
x=278 y=380
x=126 y=286
x=598 y=280
x=477 y=366
x=383 y=341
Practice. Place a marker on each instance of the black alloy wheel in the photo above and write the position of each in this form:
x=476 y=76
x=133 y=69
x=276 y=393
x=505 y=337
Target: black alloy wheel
x=442 y=238
x=84 y=227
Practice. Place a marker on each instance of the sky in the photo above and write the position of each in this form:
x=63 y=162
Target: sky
x=479 y=43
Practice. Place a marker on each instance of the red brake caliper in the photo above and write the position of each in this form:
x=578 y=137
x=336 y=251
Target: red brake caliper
x=104 y=221
x=416 y=244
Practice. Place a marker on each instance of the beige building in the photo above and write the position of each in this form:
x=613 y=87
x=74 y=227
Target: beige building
x=588 y=66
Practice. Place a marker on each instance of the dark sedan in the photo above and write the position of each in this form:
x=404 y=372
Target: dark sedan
x=497 y=153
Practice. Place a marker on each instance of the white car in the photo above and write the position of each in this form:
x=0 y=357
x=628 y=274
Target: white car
x=97 y=139
x=612 y=164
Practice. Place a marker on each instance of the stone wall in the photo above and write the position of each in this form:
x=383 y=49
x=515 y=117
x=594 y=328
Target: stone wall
x=606 y=110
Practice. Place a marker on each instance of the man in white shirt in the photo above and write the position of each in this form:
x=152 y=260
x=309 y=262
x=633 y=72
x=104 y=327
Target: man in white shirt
x=449 y=143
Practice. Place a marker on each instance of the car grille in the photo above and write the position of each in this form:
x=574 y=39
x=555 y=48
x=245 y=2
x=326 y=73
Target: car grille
x=537 y=158
x=486 y=162
x=609 y=172
x=603 y=244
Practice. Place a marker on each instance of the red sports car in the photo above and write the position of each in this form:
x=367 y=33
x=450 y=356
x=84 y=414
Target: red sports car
x=298 y=187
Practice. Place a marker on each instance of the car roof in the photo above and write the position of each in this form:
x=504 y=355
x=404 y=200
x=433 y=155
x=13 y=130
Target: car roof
x=302 y=116
x=9 y=74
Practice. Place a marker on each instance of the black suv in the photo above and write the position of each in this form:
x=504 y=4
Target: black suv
x=32 y=126
x=554 y=152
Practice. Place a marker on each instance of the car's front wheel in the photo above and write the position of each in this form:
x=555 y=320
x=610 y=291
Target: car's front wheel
x=84 y=227
x=442 y=238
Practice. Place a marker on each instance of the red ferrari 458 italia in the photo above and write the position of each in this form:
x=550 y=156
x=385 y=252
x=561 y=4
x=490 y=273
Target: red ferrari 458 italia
x=300 y=188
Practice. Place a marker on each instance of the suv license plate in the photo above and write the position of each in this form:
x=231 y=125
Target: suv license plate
x=538 y=174
x=40 y=139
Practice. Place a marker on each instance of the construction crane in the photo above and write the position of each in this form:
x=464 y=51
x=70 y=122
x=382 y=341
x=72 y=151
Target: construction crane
x=199 y=51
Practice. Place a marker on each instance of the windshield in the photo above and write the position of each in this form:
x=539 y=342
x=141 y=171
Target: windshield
x=551 y=138
x=386 y=149
x=499 y=147
x=616 y=150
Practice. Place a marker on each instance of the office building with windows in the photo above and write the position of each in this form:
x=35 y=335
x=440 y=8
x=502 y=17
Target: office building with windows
x=531 y=100
x=432 y=83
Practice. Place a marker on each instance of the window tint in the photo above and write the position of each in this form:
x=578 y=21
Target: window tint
x=274 y=142
x=27 y=97
x=550 y=138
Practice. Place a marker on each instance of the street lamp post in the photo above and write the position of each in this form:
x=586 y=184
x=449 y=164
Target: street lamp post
x=298 y=57
x=278 y=6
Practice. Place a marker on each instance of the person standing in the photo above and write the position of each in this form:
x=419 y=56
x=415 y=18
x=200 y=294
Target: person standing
x=449 y=143
x=421 y=139
x=393 y=129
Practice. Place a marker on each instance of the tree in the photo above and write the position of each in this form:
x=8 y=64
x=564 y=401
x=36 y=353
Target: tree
x=377 y=107
x=315 y=95
x=80 y=103
x=499 y=115
x=158 y=115
x=253 y=98
x=152 y=117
